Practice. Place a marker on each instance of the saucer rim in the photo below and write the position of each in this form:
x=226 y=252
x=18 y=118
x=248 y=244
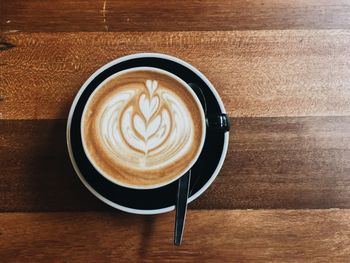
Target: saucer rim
x=76 y=99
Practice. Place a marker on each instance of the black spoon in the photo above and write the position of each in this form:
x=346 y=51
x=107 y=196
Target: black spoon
x=181 y=206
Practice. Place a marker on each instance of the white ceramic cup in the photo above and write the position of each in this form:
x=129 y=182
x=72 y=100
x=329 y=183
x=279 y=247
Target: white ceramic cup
x=202 y=120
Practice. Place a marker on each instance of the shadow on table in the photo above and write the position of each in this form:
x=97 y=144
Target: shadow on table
x=46 y=180
x=148 y=226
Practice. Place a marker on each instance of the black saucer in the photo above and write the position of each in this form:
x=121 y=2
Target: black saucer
x=154 y=200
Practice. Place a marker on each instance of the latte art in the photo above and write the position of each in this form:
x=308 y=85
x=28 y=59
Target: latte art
x=144 y=131
x=142 y=128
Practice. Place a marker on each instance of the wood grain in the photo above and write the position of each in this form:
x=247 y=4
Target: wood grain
x=2 y=17
x=257 y=73
x=212 y=236
x=292 y=163
x=283 y=71
x=180 y=15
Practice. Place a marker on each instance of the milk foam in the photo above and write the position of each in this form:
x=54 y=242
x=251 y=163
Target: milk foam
x=145 y=128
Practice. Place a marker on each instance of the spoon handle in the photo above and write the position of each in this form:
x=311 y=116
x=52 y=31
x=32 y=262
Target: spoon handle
x=181 y=207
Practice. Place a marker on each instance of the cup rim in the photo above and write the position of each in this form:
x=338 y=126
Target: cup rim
x=76 y=100
x=190 y=164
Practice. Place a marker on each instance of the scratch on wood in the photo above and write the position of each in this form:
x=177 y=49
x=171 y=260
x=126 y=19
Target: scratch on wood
x=5 y=46
x=11 y=31
x=104 y=15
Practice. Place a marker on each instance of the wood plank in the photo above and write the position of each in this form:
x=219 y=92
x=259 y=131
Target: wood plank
x=36 y=170
x=284 y=163
x=179 y=15
x=220 y=236
x=2 y=17
x=258 y=73
x=271 y=163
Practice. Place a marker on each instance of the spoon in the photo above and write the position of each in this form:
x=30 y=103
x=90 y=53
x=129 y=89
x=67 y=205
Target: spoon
x=181 y=207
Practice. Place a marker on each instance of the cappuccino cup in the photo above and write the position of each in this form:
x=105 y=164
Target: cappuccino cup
x=143 y=128
x=140 y=123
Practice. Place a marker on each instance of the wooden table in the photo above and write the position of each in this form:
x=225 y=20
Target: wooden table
x=283 y=71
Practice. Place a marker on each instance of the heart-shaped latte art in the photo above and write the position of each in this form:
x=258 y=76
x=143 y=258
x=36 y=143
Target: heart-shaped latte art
x=145 y=130
x=145 y=126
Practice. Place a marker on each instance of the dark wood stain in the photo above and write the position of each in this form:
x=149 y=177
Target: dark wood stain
x=5 y=46
x=179 y=15
x=274 y=163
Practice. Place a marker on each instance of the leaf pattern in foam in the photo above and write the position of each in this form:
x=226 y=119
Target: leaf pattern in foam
x=145 y=125
x=153 y=129
x=158 y=137
x=151 y=85
x=148 y=106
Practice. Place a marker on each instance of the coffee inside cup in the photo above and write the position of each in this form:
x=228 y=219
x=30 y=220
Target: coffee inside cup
x=143 y=128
